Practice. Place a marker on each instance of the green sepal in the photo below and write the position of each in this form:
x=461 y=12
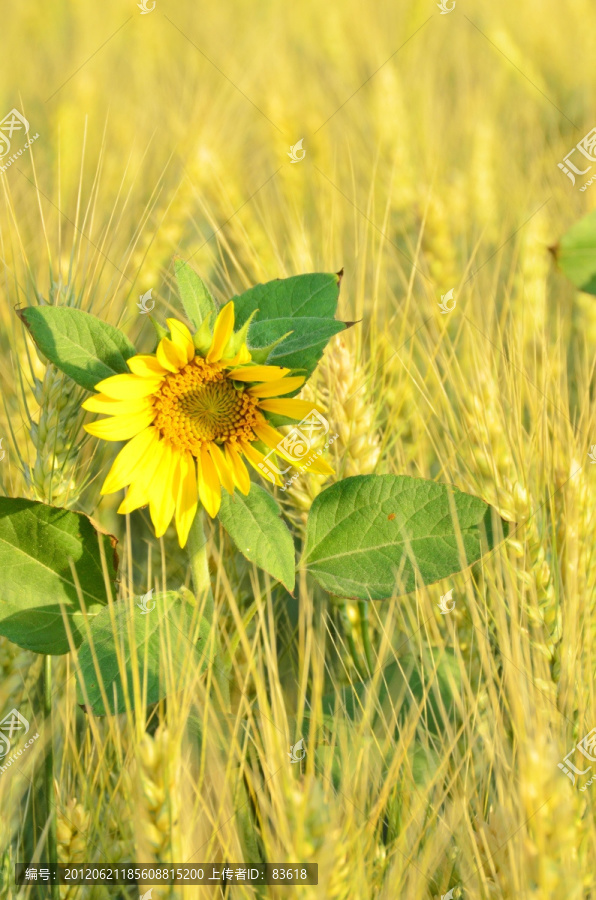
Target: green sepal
x=203 y=337
x=238 y=338
x=262 y=354
x=160 y=331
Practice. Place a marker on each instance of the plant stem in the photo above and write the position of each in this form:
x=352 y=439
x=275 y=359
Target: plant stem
x=52 y=843
x=368 y=650
x=347 y=625
x=199 y=567
x=199 y=564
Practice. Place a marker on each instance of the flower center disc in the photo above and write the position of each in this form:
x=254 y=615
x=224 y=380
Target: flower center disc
x=199 y=404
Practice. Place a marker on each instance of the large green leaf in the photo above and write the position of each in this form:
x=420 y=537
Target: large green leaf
x=576 y=253
x=431 y=684
x=398 y=686
x=369 y=537
x=255 y=525
x=161 y=645
x=302 y=304
x=195 y=297
x=38 y=543
x=303 y=348
x=85 y=348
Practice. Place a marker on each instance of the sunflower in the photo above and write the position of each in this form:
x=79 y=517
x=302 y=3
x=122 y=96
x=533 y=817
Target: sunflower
x=191 y=419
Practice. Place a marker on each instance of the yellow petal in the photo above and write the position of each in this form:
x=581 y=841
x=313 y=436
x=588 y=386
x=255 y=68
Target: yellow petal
x=222 y=332
x=292 y=408
x=319 y=465
x=209 y=487
x=121 y=428
x=239 y=470
x=137 y=495
x=127 y=463
x=169 y=356
x=138 y=492
x=99 y=403
x=269 y=436
x=186 y=503
x=128 y=387
x=146 y=365
x=223 y=470
x=257 y=459
x=182 y=338
x=277 y=388
x=162 y=496
x=258 y=373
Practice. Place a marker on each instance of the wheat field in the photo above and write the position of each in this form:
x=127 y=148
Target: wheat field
x=431 y=147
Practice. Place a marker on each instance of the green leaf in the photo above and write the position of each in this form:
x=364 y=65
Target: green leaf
x=80 y=345
x=195 y=297
x=161 y=645
x=303 y=347
x=37 y=545
x=369 y=537
x=304 y=305
x=261 y=355
x=400 y=685
x=255 y=525
x=576 y=254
